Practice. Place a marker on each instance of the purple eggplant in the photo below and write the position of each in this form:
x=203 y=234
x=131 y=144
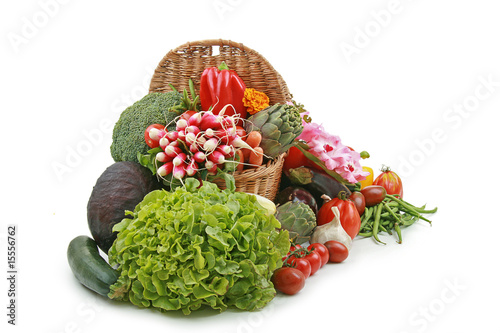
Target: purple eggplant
x=296 y=194
x=317 y=182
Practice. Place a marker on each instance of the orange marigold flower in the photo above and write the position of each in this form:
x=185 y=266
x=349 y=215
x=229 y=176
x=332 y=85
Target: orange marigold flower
x=255 y=100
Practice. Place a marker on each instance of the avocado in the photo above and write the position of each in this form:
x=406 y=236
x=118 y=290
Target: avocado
x=119 y=188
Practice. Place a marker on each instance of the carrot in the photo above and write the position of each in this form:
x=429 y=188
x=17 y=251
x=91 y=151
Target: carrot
x=256 y=157
x=254 y=138
x=241 y=164
x=246 y=153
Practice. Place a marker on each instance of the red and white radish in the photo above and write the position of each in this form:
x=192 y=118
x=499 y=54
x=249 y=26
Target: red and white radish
x=195 y=119
x=179 y=159
x=162 y=157
x=165 y=169
x=199 y=157
x=209 y=120
x=172 y=151
x=192 y=168
x=179 y=171
x=217 y=157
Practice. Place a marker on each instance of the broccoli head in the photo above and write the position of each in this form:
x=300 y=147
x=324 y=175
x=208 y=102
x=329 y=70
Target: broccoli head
x=128 y=133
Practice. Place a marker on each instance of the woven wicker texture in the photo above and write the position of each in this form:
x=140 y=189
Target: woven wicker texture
x=188 y=62
x=264 y=180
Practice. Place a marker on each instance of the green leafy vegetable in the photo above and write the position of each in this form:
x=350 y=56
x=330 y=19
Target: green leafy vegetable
x=128 y=132
x=197 y=246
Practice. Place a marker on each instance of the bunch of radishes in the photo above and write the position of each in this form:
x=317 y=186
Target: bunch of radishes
x=203 y=141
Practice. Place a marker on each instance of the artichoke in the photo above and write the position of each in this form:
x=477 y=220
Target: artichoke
x=279 y=125
x=298 y=218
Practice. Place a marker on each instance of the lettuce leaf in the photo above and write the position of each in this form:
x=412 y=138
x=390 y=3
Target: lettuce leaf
x=197 y=247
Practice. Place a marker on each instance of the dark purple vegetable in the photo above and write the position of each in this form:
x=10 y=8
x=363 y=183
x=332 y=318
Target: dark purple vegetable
x=120 y=187
x=317 y=183
x=296 y=194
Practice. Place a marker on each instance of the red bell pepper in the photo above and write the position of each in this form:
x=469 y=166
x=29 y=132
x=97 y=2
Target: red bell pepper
x=220 y=87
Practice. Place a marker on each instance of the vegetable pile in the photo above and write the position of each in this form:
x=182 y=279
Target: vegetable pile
x=177 y=242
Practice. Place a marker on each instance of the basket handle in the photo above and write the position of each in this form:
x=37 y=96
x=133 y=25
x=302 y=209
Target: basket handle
x=213 y=42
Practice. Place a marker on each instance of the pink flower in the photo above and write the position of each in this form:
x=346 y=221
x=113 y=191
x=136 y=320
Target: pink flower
x=329 y=149
x=352 y=170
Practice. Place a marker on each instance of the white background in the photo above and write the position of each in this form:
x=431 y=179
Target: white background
x=389 y=77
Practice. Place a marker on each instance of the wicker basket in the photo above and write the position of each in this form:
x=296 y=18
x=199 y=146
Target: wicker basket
x=188 y=62
x=264 y=180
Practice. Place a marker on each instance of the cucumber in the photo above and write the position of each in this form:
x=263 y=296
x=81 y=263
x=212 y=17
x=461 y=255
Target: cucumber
x=89 y=267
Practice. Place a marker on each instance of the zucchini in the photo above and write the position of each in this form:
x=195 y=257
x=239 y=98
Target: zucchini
x=89 y=267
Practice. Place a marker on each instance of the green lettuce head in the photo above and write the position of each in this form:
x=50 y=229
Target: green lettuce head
x=197 y=246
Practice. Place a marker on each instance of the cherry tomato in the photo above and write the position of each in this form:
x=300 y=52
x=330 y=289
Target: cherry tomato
x=187 y=114
x=315 y=261
x=390 y=181
x=150 y=142
x=338 y=251
x=302 y=264
x=322 y=251
x=359 y=201
x=349 y=216
x=369 y=179
x=293 y=247
x=288 y=280
x=374 y=194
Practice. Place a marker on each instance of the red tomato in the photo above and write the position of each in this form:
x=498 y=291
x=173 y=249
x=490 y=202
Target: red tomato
x=302 y=264
x=288 y=280
x=359 y=201
x=295 y=159
x=390 y=181
x=349 y=216
x=322 y=251
x=338 y=251
x=150 y=142
x=315 y=261
x=374 y=194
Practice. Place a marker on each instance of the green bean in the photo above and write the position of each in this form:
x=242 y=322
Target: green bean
x=391 y=203
x=376 y=223
x=398 y=231
x=391 y=224
x=426 y=211
x=366 y=216
x=408 y=220
x=422 y=209
x=384 y=229
x=408 y=208
x=390 y=216
x=368 y=224
x=389 y=210
x=416 y=214
x=384 y=222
